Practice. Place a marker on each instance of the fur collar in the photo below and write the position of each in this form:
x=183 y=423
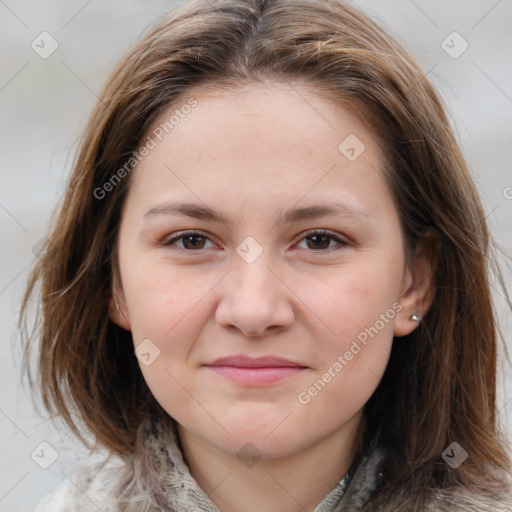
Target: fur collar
x=160 y=481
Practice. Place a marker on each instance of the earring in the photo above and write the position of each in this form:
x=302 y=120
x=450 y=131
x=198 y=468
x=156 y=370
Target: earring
x=416 y=317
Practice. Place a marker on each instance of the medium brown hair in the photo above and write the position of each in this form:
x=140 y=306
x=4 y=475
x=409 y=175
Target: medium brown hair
x=440 y=383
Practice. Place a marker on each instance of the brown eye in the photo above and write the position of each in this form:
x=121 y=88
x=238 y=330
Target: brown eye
x=190 y=241
x=193 y=242
x=321 y=240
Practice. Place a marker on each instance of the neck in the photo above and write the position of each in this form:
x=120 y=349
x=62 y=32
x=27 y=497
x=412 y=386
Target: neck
x=295 y=483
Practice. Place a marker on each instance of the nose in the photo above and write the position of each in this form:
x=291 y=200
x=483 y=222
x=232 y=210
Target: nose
x=255 y=301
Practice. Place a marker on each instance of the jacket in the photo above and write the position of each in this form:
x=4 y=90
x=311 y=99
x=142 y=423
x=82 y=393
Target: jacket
x=161 y=481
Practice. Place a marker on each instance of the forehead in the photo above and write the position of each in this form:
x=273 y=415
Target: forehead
x=272 y=141
x=280 y=115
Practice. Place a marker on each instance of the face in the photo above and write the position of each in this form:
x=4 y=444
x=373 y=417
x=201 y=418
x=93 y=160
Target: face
x=290 y=249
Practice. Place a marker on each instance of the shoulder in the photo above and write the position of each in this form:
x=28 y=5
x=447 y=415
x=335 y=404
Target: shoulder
x=56 y=500
x=363 y=494
x=466 y=501
x=88 y=488
x=442 y=500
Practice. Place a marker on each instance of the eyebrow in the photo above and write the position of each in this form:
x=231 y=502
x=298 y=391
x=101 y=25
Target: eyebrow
x=203 y=212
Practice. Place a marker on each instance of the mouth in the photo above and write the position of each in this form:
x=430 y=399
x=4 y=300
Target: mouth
x=255 y=371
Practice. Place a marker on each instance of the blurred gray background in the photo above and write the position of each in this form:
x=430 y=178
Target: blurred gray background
x=44 y=104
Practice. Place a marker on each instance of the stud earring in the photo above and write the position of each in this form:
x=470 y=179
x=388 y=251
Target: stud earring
x=416 y=317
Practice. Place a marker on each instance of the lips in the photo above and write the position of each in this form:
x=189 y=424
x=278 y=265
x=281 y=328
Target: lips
x=242 y=361
x=258 y=371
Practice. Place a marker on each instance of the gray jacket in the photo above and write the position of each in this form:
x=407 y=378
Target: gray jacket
x=162 y=482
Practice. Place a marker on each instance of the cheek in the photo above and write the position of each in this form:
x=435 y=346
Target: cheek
x=162 y=299
x=358 y=306
x=352 y=299
x=351 y=362
x=167 y=307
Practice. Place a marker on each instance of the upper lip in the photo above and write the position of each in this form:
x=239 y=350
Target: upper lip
x=243 y=361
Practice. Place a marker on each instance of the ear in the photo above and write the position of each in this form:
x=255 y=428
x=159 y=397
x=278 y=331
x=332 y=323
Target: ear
x=418 y=288
x=117 y=307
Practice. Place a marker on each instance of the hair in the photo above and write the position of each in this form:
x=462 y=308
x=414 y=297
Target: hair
x=440 y=382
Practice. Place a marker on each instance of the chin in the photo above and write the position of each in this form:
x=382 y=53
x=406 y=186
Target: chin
x=258 y=446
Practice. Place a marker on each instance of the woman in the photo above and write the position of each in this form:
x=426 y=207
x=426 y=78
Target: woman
x=198 y=325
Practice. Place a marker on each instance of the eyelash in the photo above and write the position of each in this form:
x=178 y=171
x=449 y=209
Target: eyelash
x=169 y=243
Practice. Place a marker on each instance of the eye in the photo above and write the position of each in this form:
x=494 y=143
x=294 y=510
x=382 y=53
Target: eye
x=194 y=241
x=321 y=239
x=191 y=240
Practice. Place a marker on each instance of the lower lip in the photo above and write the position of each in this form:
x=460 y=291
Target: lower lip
x=257 y=376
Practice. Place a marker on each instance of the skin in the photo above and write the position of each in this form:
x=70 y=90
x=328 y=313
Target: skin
x=250 y=154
